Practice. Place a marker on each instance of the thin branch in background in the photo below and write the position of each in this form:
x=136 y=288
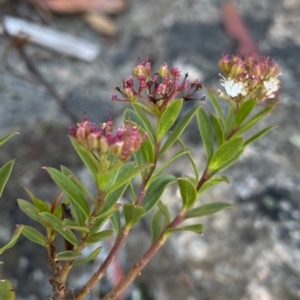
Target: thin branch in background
x=52 y=91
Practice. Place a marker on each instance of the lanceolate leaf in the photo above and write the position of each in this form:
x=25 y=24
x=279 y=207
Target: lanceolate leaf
x=208 y=209
x=87 y=158
x=99 y=236
x=155 y=190
x=197 y=228
x=125 y=179
x=115 y=220
x=144 y=119
x=212 y=182
x=132 y=213
x=92 y=256
x=168 y=118
x=99 y=221
x=158 y=223
x=225 y=153
x=4 y=139
x=218 y=130
x=14 y=239
x=254 y=120
x=206 y=132
x=41 y=205
x=67 y=255
x=244 y=111
x=215 y=104
x=229 y=122
x=69 y=224
x=177 y=131
x=57 y=225
x=80 y=185
x=187 y=191
x=34 y=235
x=168 y=162
x=79 y=205
x=147 y=150
x=5 y=172
x=193 y=163
x=30 y=210
x=258 y=135
x=233 y=159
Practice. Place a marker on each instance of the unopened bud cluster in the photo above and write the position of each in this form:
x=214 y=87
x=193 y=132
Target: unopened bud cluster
x=158 y=90
x=249 y=77
x=101 y=140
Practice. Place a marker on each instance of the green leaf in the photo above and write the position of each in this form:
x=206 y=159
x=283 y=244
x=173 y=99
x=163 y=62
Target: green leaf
x=244 y=111
x=254 y=120
x=216 y=106
x=197 y=228
x=212 y=182
x=79 y=184
x=70 y=224
x=57 y=225
x=168 y=118
x=158 y=223
x=258 y=135
x=33 y=235
x=30 y=194
x=99 y=236
x=218 y=130
x=90 y=257
x=132 y=214
x=30 y=210
x=164 y=210
x=155 y=190
x=115 y=220
x=4 y=139
x=208 y=209
x=126 y=179
x=147 y=150
x=206 y=132
x=67 y=255
x=145 y=121
x=41 y=205
x=6 y=290
x=79 y=205
x=188 y=192
x=14 y=238
x=173 y=158
x=229 y=122
x=193 y=163
x=87 y=158
x=225 y=153
x=5 y=172
x=177 y=131
x=99 y=221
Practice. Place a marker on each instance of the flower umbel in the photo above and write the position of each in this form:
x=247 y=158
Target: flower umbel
x=249 y=77
x=102 y=142
x=159 y=90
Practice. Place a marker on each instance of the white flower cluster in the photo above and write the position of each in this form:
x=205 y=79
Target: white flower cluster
x=271 y=86
x=234 y=88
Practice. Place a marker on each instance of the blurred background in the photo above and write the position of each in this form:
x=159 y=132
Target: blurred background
x=250 y=253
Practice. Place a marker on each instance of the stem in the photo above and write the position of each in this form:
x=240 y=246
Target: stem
x=58 y=283
x=205 y=176
x=103 y=268
x=137 y=268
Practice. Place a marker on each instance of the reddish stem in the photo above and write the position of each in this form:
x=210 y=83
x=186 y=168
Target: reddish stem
x=137 y=268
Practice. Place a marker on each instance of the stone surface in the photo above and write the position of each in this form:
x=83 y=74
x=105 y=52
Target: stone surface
x=249 y=253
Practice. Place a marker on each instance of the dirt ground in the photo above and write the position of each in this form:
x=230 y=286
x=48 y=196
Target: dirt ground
x=250 y=253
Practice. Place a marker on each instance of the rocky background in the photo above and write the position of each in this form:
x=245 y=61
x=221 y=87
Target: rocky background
x=250 y=253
